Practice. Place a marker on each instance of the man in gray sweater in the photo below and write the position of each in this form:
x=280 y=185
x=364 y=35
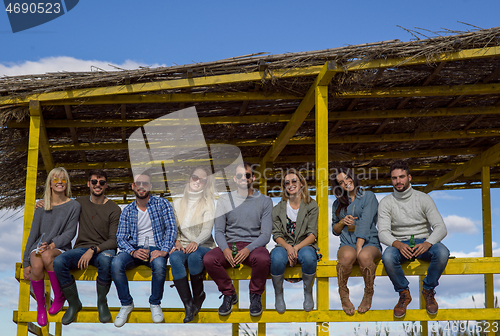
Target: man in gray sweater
x=405 y=213
x=243 y=218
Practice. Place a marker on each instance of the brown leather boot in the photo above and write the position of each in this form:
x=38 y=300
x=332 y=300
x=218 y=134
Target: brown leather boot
x=404 y=300
x=343 y=273
x=430 y=303
x=369 y=277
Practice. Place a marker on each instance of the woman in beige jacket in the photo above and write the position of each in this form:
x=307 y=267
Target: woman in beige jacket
x=295 y=229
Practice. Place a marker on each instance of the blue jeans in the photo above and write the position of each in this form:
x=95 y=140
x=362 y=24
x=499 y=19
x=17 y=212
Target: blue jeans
x=194 y=261
x=68 y=261
x=437 y=255
x=306 y=257
x=124 y=261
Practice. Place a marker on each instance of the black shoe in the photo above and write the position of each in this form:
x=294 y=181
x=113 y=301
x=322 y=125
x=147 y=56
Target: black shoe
x=227 y=304
x=255 y=304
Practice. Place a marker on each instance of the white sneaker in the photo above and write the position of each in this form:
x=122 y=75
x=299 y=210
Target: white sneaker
x=122 y=316
x=157 y=313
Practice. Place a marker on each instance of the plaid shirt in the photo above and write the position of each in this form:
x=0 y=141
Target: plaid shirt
x=162 y=220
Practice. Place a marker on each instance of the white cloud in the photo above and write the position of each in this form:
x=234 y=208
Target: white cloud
x=444 y=195
x=458 y=224
x=478 y=252
x=65 y=63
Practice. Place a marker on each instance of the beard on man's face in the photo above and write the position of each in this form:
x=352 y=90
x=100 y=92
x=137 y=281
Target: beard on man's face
x=146 y=195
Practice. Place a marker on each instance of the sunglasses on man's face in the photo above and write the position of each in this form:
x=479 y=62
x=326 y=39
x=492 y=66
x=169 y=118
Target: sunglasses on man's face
x=101 y=182
x=196 y=178
x=246 y=175
x=57 y=179
x=145 y=184
x=288 y=182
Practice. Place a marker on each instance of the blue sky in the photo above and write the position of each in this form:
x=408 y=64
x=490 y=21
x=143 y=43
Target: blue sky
x=130 y=34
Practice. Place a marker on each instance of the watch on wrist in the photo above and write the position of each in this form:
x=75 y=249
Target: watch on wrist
x=94 y=248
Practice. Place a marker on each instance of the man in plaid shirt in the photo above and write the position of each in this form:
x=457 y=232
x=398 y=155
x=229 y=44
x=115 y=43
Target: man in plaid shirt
x=146 y=234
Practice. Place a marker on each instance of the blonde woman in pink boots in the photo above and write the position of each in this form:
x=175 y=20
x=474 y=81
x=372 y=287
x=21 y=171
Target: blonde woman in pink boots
x=52 y=230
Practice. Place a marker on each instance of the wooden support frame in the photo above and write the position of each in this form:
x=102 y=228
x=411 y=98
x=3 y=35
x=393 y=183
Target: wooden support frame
x=487 y=158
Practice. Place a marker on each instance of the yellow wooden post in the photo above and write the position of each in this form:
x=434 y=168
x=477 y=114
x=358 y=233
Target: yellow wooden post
x=236 y=326
x=424 y=324
x=489 y=292
x=321 y=101
x=29 y=204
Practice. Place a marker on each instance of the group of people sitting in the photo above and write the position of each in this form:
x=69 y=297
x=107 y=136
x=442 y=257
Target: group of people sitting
x=149 y=231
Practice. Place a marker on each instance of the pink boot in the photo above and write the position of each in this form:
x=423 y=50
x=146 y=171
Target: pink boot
x=41 y=308
x=59 y=298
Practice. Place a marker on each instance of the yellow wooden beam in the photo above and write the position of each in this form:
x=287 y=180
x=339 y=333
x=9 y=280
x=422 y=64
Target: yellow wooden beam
x=326 y=74
x=273 y=118
x=489 y=289
x=35 y=109
x=487 y=158
x=424 y=91
x=176 y=315
x=175 y=98
x=321 y=128
x=249 y=77
x=398 y=137
x=162 y=85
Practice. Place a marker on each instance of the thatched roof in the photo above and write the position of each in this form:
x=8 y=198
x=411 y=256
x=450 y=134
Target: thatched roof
x=436 y=114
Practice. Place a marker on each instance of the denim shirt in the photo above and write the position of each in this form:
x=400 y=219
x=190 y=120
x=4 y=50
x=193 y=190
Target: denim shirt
x=163 y=222
x=366 y=207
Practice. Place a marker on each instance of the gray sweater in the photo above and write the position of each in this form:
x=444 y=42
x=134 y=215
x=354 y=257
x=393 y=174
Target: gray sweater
x=249 y=221
x=58 y=224
x=411 y=212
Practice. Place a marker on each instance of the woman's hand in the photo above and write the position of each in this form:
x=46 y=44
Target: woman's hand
x=178 y=247
x=192 y=246
x=27 y=273
x=292 y=254
x=349 y=220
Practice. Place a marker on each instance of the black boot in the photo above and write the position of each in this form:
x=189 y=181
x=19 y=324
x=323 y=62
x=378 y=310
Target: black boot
x=184 y=291
x=71 y=295
x=198 y=292
x=102 y=303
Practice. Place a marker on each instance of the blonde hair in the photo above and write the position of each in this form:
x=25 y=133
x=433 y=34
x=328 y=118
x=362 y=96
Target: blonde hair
x=47 y=196
x=206 y=200
x=304 y=192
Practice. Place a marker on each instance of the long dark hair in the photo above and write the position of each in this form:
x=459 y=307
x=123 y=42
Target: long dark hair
x=339 y=192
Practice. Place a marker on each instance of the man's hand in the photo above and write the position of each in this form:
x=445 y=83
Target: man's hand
x=405 y=250
x=83 y=263
x=421 y=248
x=241 y=255
x=27 y=273
x=228 y=254
x=141 y=254
x=192 y=246
x=39 y=204
x=157 y=253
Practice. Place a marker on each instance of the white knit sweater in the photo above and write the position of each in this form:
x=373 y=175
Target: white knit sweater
x=411 y=212
x=198 y=230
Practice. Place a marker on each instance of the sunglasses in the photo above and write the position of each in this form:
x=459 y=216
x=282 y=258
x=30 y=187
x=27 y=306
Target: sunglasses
x=246 y=175
x=288 y=182
x=101 y=182
x=145 y=184
x=57 y=179
x=196 y=178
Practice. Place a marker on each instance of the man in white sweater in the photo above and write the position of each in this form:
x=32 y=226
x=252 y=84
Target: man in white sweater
x=404 y=213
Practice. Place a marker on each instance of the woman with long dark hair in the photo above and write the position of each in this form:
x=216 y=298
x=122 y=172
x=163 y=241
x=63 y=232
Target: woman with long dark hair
x=52 y=230
x=195 y=220
x=295 y=230
x=354 y=215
